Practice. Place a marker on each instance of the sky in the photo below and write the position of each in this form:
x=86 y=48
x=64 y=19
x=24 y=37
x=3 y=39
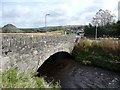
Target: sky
x=31 y=13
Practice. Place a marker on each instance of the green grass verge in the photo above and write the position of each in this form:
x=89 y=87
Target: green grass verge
x=103 y=54
x=12 y=79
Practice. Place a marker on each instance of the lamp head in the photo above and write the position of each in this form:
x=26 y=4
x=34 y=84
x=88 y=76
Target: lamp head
x=47 y=14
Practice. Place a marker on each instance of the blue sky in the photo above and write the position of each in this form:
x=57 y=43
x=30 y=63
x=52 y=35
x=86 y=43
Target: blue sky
x=31 y=13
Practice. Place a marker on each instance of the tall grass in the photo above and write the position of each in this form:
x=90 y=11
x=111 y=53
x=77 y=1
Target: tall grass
x=104 y=54
x=12 y=79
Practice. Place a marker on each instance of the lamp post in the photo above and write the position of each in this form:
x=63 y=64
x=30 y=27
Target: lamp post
x=46 y=21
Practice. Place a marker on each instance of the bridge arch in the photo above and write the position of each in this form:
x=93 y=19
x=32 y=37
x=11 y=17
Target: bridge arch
x=28 y=52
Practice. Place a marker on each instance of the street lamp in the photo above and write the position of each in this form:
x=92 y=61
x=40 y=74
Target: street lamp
x=46 y=21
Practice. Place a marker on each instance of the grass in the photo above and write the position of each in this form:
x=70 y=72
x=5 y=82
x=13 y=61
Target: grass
x=104 y=54
x=12 y=79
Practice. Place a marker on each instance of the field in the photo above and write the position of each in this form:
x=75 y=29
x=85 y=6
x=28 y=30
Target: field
x=47 y=33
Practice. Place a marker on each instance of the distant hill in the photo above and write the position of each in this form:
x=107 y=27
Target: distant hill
x=0 y=29
x=9 y=28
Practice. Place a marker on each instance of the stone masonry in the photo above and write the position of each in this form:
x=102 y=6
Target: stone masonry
x=28 y=52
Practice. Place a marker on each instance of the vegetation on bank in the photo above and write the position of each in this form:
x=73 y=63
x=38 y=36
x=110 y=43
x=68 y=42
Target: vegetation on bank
x=12 y=79
x=104 y=54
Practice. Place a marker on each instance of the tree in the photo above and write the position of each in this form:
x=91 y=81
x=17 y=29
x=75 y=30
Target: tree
x=102 y=18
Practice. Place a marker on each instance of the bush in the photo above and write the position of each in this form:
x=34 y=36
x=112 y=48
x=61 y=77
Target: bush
x=12 y=79
x=104 y=54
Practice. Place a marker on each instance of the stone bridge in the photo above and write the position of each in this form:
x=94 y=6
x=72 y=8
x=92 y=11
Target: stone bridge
x=29 y=51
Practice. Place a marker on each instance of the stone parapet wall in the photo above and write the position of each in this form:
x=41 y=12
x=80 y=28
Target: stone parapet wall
x=28 y=52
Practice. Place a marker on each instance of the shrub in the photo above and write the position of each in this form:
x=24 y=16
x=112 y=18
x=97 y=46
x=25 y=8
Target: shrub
x=104 y=54
x=12 y=79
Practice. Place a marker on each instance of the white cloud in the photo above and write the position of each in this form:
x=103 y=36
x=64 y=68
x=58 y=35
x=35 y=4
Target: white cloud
x=35 y=1
x=111 y=5
x=31 y=13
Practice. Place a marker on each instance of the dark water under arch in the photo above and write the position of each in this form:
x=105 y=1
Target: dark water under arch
x=62 y=67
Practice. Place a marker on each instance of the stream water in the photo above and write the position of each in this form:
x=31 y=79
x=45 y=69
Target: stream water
x=62 y=67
